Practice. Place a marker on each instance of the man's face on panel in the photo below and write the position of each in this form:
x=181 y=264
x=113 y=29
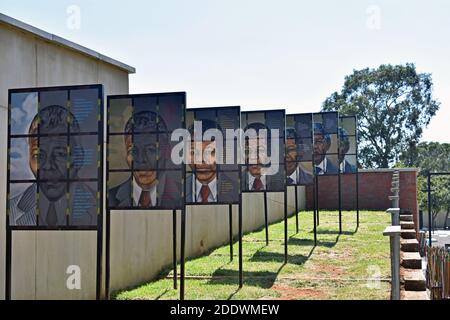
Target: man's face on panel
x=206 y=169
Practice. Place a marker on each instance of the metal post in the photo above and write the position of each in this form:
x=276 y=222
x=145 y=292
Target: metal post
x=357 y=198
x=182 y=253
x=430 y=222
x=394 y=234
x=174 y=247
x=317 y=200
x=395 y=201
x=285 y=227
x=99 y=257
x=340 y=203
x=315 y=209
x=8 y=260
x=266 y=219
x=230 y=221
x=241 y=272
x=107 y=254
x=296 y=209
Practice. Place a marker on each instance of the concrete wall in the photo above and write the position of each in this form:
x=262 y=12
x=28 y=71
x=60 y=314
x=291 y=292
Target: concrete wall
x=438 y=221
x=40 y=259
x=374 y=190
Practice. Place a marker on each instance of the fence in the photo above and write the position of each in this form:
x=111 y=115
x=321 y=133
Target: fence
x=438 y=273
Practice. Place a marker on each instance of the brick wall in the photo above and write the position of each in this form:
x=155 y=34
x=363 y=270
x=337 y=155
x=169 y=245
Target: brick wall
x=374 y=189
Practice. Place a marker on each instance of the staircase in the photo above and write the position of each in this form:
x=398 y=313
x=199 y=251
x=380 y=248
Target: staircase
x=413 y=283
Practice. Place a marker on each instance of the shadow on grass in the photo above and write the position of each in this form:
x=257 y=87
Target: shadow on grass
x=346 y=233
x=310 y=242
x=261 y=279
x=262 y=256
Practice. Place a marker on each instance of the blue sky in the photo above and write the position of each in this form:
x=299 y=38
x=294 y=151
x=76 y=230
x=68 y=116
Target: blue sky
x=257 y=54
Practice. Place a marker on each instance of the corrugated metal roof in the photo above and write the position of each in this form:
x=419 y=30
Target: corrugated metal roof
x=63 y=42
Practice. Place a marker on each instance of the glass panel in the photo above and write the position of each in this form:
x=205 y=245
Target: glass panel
x=53 y=112
x=330 y=122
x=119 y=190
x=53 y=158
x=171 y=110
x=145 y=151
x=84 y=157
x=120 y=154
x=24 y=107
x=146 y=105
x=84 y=204
x=22 y=204
x=328 y=165
x=228 y=187
x=348 y=165
x=85 y=109
x=305 y=173
x=120 y=111
x=21 y=168
x=170 y=189
x=349 y=125
x=303 y=125
x=53 y=203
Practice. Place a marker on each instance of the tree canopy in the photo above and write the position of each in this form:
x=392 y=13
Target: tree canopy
x=393 y=105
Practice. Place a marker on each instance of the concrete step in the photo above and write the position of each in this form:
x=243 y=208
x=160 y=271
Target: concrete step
x=407 y=225
x=406 y=217
x=408 y=234
x=409 y=245
x=414 y=280
x=411 y=260
x=414 y=295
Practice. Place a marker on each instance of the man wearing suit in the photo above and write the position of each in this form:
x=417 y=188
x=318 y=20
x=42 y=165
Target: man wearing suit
x=48 y=159
x=147 y=187
x=204 y=184
x=256 y=153
x=344 y=146
x=291 y=157
x=322 y=142
x=295 y=172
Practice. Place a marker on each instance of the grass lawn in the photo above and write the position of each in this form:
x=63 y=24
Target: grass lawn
x=344 y=266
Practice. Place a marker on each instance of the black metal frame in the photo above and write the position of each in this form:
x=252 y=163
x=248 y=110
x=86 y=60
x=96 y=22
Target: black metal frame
x=311 y=137
x=229 y=204
x=182 y=207
x=355 y=135
x=317 y=177
x=266 y=219
x=100 y=184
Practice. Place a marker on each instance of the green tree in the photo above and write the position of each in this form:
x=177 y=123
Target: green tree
x=393 y=104
x=431 y=157
x=440 y=197
x=428 y=156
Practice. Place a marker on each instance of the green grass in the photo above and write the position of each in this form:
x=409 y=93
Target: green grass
x=339 y=267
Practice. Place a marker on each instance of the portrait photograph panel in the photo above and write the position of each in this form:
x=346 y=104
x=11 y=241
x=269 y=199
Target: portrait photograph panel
x=145 y=150
x=56 y=154
x=209 y=179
